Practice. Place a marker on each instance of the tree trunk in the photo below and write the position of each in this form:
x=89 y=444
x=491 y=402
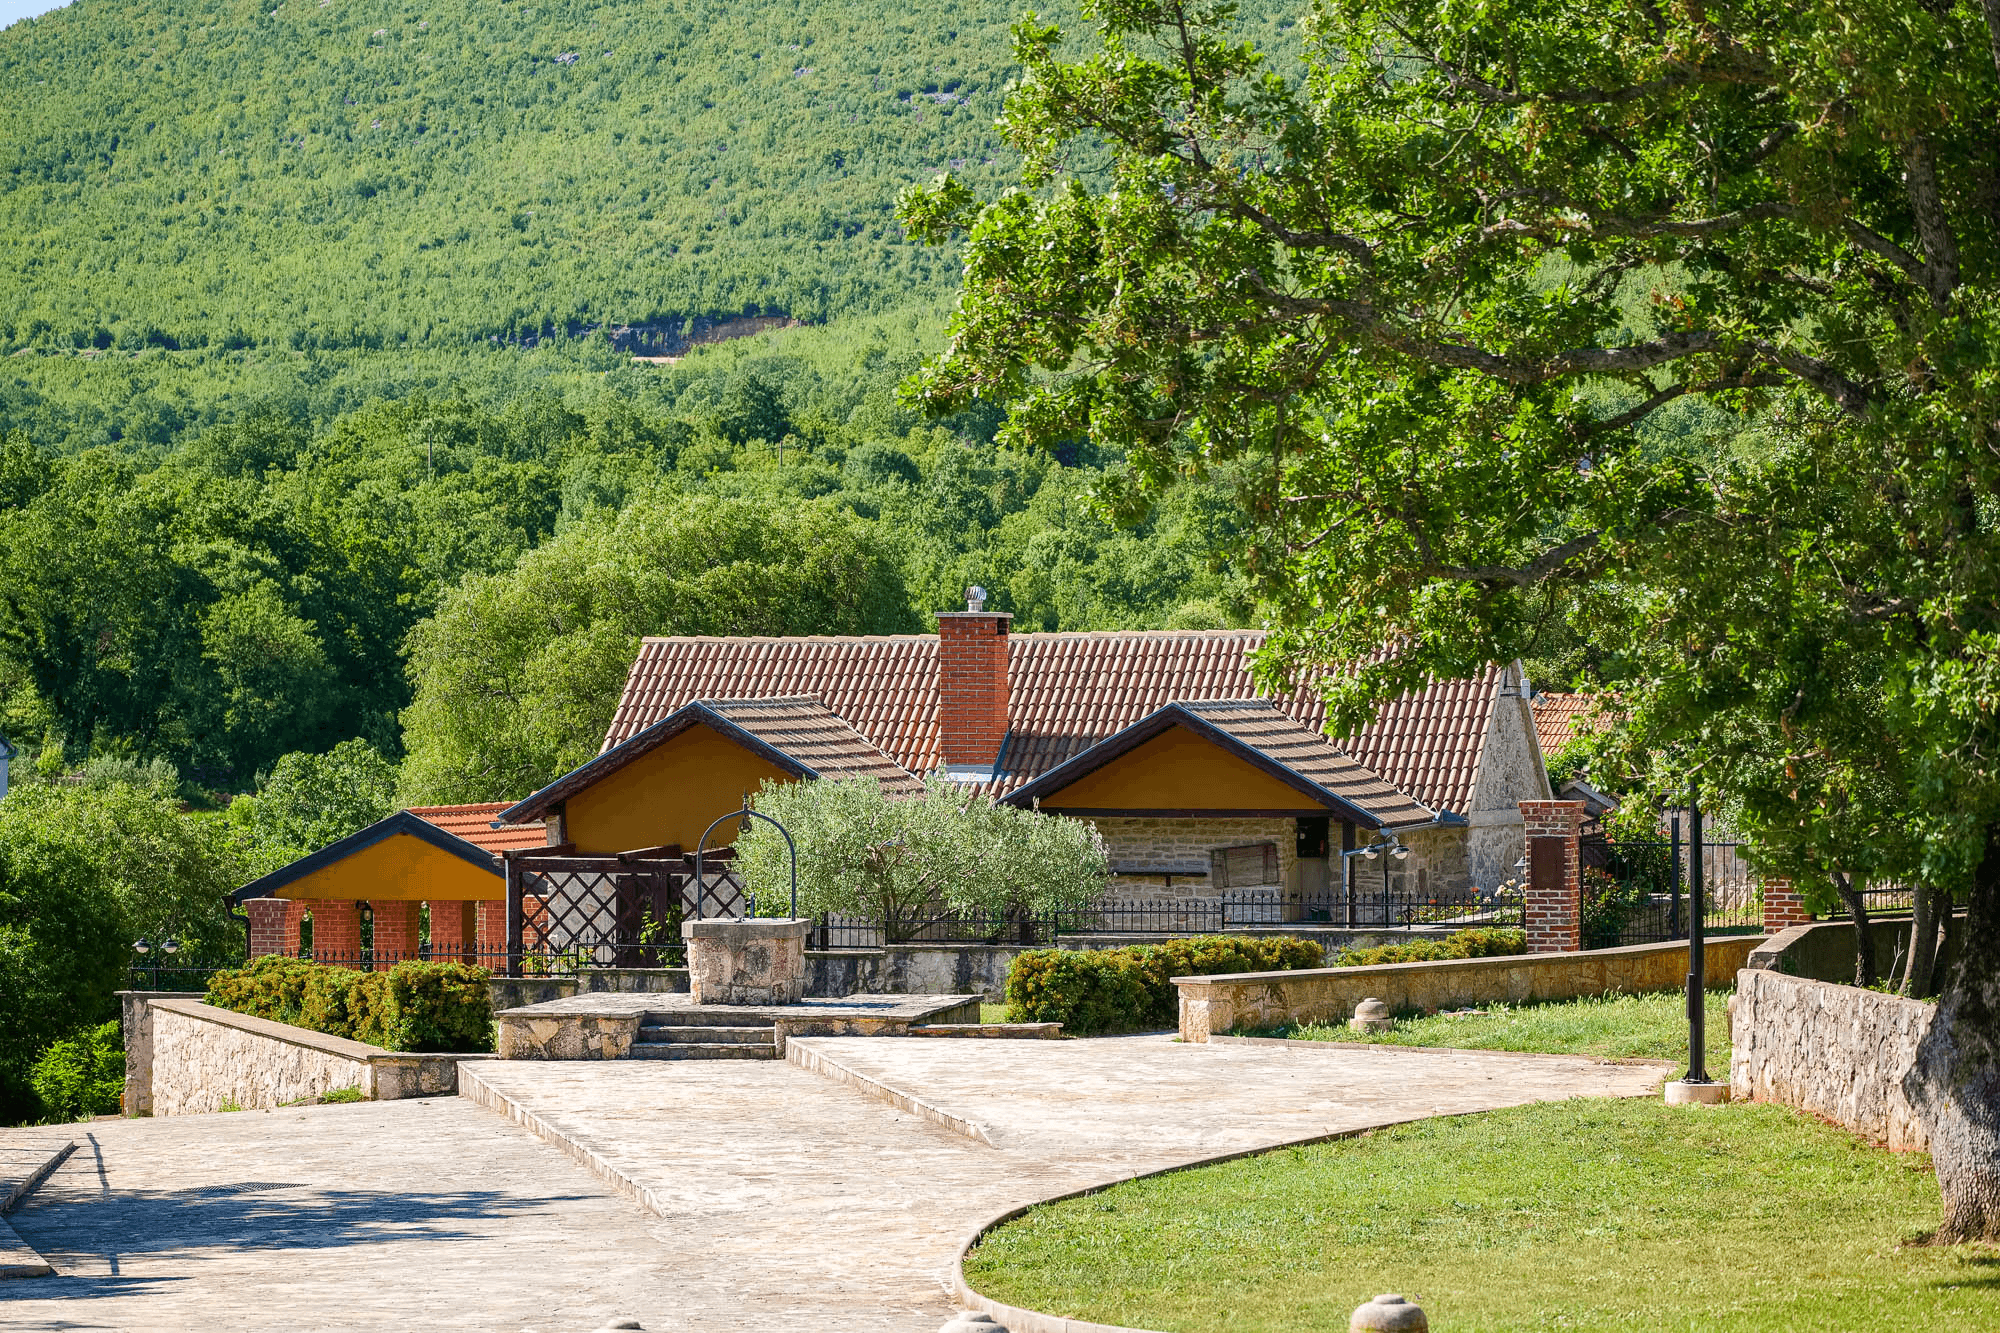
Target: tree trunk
x=1954 y=1084
x=1923 y=943
x=1864 y=935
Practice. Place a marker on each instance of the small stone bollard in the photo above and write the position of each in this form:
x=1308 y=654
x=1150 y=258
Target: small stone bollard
x=973 y=1322
x=1389 y=1313
x=1371 y=1015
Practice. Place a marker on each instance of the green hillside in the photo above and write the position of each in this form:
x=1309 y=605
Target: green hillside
x=338 y=173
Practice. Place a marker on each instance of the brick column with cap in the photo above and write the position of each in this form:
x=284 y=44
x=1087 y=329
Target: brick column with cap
x=395 y=933
x=1553 y=904
x=454 y=931
x=267 y=925
x=972 y=688
x=337 y=930
x=1784 y=906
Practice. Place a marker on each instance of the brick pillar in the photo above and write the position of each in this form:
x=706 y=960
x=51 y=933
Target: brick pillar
x=395 y=933
x=267 y=925
x=295 y=920
x=1553 y=905
x=972 y=690
x=493 y=933
x=336 y=930
x=454 y=931
x=1784 y=906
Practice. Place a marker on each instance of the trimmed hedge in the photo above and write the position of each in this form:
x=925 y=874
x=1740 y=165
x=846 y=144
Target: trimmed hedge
x=1486 y=942
x=1131 y=989
x=411 y=1007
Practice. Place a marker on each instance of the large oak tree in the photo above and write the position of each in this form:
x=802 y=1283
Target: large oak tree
x=1675 y=320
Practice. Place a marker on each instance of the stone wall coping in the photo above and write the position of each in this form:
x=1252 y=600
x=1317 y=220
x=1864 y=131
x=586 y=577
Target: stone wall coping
x=746 y=928
x=344 y=1047
x=1499 y=963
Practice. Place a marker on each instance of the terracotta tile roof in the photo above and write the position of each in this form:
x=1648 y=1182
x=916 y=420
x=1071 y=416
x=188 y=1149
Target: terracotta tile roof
x=1561 y=718
x=1312 y=756
x=815 y=736
x=474 y=823
x=1067 y=692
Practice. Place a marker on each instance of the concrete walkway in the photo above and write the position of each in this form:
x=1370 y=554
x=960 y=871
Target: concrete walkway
x=772 y=1196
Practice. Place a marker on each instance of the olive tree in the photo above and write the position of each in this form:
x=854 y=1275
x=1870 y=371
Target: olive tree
x=903 y=860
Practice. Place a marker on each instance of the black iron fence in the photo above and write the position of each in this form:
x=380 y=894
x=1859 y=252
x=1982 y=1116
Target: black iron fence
x=1398 y=908
x=1636 y=890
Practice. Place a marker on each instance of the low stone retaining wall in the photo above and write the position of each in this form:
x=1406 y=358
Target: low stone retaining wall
x=1824 y=950
x=201 y=1058
x=1221 y=1004
x=1836 y=1051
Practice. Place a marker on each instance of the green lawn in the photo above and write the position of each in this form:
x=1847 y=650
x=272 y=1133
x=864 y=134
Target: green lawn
x=992 y=1013
x=1588 y=1214
x=1617 y=1027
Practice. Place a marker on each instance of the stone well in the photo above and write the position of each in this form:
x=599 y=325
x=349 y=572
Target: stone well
x=748 y=961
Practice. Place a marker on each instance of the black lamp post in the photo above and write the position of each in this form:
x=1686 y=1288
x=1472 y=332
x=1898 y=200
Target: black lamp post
x=1697 y=948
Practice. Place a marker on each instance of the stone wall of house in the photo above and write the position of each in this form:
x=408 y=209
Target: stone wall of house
x=1169 y=843
x=1510 y=771
x=1439 y=860
x=1835 y=1051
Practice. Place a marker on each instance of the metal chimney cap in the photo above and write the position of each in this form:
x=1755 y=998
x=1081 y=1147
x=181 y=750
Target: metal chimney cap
x=975 y=598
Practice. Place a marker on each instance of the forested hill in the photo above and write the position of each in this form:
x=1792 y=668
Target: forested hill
x=334 y=173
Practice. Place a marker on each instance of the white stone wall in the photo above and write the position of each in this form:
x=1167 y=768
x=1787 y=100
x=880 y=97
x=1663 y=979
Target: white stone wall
x=207 y=1059
x=1835 y=1051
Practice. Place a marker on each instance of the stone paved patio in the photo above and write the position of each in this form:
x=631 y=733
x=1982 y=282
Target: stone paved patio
x=784 y=1199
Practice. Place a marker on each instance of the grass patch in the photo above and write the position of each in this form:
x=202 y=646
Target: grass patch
x=1589 y=1214
x=992 y=1013
x=1612 y=1027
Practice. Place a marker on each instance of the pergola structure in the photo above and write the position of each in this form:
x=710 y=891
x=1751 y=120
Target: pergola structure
x=570 y=909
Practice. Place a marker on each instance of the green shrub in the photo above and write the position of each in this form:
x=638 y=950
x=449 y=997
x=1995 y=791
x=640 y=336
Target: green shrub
x=1131 y=989
x=82 y=1075
x=1485 y=942
x=1608 y=902
x=410 y=1007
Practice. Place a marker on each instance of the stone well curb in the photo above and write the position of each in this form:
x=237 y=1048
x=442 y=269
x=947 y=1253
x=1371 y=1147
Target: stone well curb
x=1018 y=1320
x=800 y=1051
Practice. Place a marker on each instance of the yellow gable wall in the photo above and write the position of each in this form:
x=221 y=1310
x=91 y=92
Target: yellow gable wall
x=668 y=795
x=400 y=868
x=1178 y=770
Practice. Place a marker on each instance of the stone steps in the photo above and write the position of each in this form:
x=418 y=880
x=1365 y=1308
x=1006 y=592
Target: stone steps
x=681 y=1035
x=703 y=1050
x=653 y=1033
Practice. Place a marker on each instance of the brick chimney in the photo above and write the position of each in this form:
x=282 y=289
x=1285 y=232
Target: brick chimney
x=972 y=688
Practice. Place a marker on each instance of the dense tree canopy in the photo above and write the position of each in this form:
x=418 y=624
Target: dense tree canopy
x=1680 y=322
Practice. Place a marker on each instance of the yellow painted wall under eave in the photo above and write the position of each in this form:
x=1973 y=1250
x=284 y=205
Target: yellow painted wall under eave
x=1178 y=770
x=400 y=868
x=668 y=795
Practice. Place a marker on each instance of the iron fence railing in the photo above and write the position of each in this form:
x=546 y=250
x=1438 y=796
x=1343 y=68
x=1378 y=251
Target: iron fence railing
x=1635 y=890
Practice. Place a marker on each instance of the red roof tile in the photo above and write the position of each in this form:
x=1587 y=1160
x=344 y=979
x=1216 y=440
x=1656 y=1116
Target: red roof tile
x=817 y=737
x=1561 y=718
x=474 y=823
x=1067 y=692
